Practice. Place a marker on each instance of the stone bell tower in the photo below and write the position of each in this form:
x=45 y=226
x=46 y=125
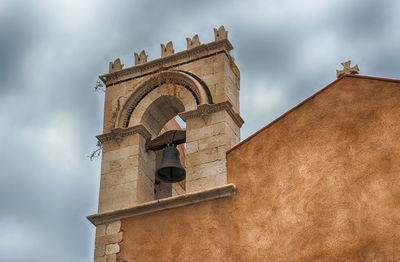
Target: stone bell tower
x=201 y=86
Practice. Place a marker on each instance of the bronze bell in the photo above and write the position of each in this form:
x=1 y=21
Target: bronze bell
x=171 y=170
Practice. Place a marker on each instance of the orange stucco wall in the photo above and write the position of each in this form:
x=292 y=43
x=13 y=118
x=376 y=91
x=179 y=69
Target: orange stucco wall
x=320 y=184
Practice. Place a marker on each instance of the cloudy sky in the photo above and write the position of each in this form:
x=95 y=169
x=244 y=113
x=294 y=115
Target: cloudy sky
x=51 y=53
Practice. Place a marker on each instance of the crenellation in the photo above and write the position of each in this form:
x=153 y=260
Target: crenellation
x=167 y=50
x=115 y=66
x=170 y=61
x=195 y=41
x=140 y=59
x=221 y=33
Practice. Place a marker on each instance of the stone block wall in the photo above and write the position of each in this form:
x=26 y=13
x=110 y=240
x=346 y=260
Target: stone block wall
x=201 y=85
x=127 y=176
x=207 y=140
x=108 y=237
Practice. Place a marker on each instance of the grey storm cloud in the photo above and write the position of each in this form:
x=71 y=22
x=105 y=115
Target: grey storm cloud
x=51 y=53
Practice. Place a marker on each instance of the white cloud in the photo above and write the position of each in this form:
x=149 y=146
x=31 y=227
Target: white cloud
x=318 y=51
x=280 y=12
x=263 y=97
x=16 y=237
x=56 y=143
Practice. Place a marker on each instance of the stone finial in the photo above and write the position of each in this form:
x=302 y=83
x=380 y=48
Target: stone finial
x=347 y=69
x=167 y=50
x=141 y=59
x=195 y=41
x=116 y=66
x=221 y=33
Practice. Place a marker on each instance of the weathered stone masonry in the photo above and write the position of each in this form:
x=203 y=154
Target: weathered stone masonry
x=201 y=85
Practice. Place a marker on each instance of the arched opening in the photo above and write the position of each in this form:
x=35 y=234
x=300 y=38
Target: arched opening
x=162 y=189
x=159 y=117
x=184 y=85
x=159 y=112
x=154 y=104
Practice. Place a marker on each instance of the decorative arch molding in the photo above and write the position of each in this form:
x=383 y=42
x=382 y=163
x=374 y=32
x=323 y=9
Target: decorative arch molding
x=191 y=82
x=202 y=83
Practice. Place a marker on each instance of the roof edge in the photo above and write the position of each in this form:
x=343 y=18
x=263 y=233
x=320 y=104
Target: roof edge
x=306 y=100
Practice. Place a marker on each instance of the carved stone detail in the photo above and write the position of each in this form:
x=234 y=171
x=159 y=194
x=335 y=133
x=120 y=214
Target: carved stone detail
x=167 y=50
x=206 y=109
x=220 y=34
x=141 y=59
x=172 y=77
x=118 y=133
x=116 y=66
x=208 y=49
x=347 y=69
x=195 y=41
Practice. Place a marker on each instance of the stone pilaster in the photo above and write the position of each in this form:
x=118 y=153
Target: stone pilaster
x=107 y=241
x=211 y=131
x=127 y=171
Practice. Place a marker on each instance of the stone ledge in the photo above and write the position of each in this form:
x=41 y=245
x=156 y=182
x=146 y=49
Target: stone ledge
x=163 y=204
x=118 y=133
x=205 y=109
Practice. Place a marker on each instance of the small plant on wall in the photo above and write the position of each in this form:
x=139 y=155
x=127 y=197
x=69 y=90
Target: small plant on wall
x=97 y=152
x=99 y=87
x=118 y=107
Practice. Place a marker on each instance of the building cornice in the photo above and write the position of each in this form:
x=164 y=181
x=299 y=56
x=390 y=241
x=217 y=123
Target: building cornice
x=206 y=109
x=163 y=204
x=118 y=132
x=168 y=61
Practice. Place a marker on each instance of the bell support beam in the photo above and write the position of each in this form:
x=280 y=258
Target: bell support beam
x=175 y=137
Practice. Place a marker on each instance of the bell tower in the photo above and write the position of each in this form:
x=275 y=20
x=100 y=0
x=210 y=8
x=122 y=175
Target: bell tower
x=200 y=86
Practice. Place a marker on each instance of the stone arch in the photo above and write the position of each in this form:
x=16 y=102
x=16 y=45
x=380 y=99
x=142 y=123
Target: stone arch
x=160 y=105
x=198 y=89
x=160 y=112
x=162 y=109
